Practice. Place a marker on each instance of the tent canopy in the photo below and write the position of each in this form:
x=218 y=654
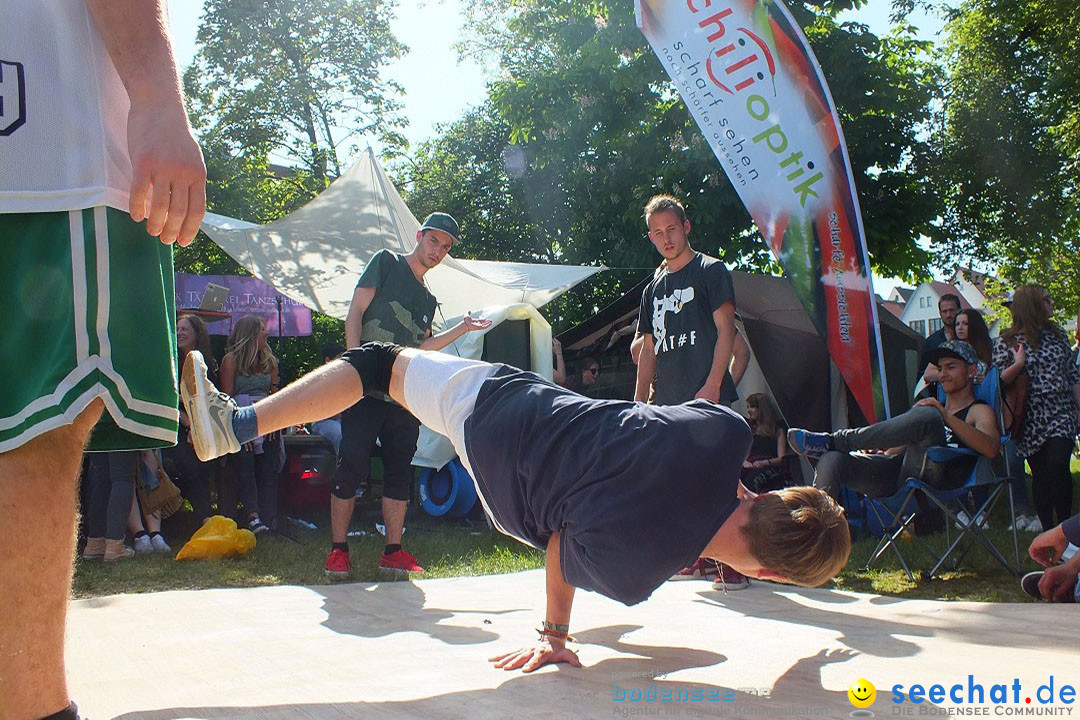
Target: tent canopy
x=316 y=254
x=793 y=358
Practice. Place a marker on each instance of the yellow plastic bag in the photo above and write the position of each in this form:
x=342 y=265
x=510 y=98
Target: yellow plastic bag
x=217 y=538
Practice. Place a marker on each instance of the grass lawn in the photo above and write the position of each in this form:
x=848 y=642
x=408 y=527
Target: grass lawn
x=449 y=548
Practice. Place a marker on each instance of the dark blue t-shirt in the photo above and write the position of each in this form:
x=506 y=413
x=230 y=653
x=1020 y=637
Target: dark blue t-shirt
x=637 y=490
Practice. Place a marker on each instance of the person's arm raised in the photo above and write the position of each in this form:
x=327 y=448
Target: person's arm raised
x=551 y=648
x=168 y=184
x=467 y=324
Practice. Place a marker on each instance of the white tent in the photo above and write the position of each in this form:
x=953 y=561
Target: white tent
x=316 y=254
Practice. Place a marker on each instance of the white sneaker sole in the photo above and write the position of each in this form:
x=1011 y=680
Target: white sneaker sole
x=193 y=391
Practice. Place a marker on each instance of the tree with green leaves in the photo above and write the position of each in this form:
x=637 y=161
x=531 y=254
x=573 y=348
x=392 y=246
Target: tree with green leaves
x=286 y=76
x=1009 y=144
x=582 y=126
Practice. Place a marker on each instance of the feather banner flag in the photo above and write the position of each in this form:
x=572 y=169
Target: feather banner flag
x=756 y=91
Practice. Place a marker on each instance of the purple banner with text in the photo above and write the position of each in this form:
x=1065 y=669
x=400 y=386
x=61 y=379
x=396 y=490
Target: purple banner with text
x=246 y=296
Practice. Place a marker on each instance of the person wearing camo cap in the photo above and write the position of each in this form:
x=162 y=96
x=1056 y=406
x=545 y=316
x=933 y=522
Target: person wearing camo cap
x=391 y=303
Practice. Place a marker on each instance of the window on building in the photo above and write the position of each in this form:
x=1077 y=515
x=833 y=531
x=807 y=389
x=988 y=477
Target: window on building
x=935 y=325
x=918 y=326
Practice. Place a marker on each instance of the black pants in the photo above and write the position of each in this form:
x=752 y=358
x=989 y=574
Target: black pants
x=397 y=431
x=1051 y=481
x=190 y=474
x=254 y=478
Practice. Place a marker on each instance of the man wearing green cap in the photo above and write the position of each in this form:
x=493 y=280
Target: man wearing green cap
x=390 y=304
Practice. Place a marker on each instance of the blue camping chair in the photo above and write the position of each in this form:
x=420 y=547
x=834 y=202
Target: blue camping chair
x=896 y=514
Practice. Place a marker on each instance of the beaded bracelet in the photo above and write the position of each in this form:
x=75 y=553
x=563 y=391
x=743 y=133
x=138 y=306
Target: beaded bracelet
x=555 y=631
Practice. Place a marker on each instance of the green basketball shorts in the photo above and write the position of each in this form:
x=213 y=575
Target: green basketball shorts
x=89 y=312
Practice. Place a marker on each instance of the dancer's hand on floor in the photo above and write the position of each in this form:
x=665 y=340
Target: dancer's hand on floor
x=529 y=659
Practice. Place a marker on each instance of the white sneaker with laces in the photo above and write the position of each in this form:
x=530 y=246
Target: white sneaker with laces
x=209 y=410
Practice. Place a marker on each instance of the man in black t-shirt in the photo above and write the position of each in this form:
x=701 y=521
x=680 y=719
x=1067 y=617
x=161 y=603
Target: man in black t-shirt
x=687 y=316
x=595 y=483
x=687 y=326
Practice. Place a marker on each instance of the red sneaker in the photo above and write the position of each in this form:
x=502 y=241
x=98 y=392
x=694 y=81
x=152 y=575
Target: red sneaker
x=703 y=569
x=337 y=564
x=730 y=579
x=400 y=561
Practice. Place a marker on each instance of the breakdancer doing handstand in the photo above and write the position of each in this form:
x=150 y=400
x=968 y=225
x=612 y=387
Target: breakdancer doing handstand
x=620 y=495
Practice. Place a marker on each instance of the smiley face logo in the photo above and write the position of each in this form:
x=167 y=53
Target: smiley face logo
x=862 y=693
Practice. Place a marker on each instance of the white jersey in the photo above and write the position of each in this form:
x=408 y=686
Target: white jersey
x=63 y=111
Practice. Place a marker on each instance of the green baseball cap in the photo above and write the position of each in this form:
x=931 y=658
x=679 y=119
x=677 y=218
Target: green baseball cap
x=441 y=221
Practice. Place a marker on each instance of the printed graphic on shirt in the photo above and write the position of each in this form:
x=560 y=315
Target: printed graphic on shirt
x=674 y=304
x=397 y=325
x=12 y=97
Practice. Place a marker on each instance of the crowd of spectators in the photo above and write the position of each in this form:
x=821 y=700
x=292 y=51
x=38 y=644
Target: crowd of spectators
x=246 y=481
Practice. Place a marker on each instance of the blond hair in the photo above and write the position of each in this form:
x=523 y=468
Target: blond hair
x=252 y=358
x=660 y=203
x=800 y=533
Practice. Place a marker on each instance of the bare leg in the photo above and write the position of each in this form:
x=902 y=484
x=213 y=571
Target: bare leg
x=38 y=503
x=340 y=515
x=323 y=393
x=393 y=512
x=135 y=518
x=152 y=522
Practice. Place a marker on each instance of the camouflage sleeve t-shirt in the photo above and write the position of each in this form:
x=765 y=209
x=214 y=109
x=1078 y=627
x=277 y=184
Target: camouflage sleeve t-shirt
x=402 y=310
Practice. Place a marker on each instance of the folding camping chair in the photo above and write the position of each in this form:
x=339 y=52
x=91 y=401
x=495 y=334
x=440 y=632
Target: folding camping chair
x=896 y=514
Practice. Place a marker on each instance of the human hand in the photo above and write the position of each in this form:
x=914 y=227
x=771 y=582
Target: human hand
x=1047 y=546
x=932 y=402
x=709 y=391
x=1020 y=353
x=1058 y=582
x=529 y=659
x=747 y=464
x=472 y=323
x=168 y=184
x=556 y=346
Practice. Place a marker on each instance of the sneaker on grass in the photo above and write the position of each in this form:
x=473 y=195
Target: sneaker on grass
x=209 y=410
x=400 y=561
x=1030 y=584
x=338 y=565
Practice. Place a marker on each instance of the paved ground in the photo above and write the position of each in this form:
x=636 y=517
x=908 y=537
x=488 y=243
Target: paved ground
x=418 y=650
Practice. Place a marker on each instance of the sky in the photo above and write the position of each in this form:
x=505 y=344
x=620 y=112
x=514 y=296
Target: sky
x=439 y=86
